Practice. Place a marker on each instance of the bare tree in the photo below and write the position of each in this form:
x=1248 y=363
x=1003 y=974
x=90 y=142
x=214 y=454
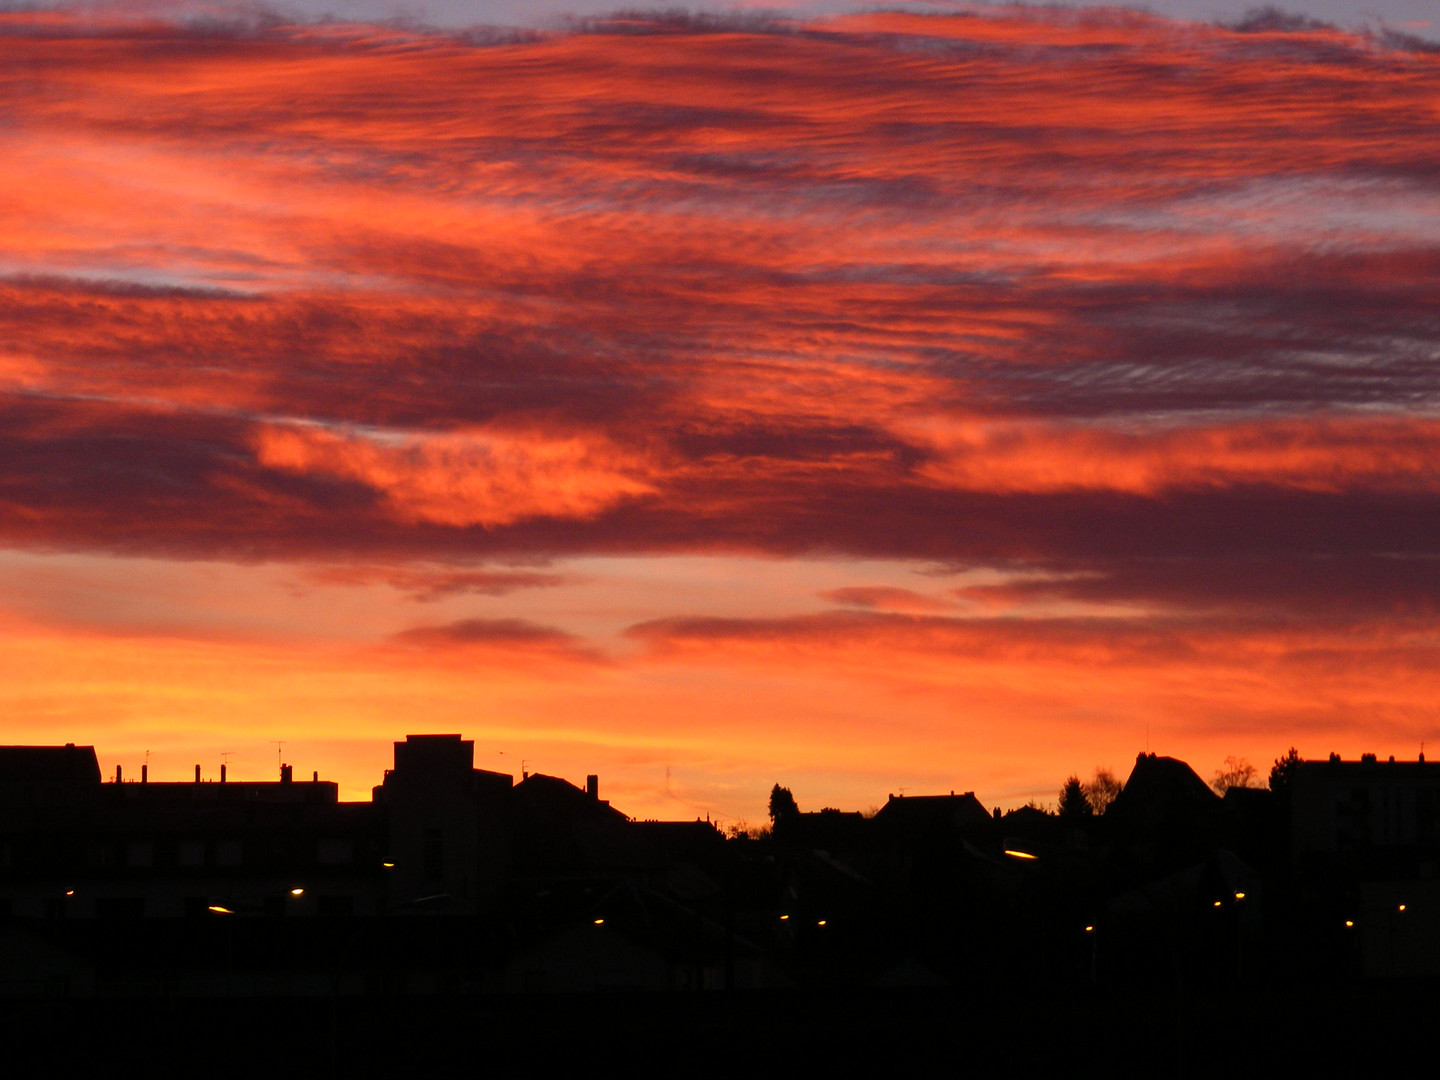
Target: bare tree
x=1102 y=789
x=743 y=830
x=1237 y=773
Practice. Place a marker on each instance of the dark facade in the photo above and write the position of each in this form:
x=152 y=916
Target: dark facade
x=1365 y=806
x=454 y=880
x=73 y=847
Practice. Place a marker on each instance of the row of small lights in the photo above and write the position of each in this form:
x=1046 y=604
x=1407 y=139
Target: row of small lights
x=385 y=865
x=220 y=909
x=1349 y=923
x=784 y=919
x=1399 y=910
x=298 y=892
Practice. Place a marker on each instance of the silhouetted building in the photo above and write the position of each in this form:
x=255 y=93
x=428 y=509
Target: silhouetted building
x=455 y=880
x=1166 y=816
x=444 y=826
x=912 y=815
x=72 y=847
x=1365 y=806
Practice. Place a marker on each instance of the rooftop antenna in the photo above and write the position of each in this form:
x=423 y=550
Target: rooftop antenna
x=279 y=751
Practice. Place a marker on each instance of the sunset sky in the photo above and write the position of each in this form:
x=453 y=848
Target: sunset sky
x=867 y=402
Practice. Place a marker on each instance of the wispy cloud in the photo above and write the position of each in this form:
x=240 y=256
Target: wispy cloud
x=502 y=639
x=1140 y=317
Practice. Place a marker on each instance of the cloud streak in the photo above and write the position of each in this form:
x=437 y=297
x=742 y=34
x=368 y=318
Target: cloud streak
x=1139 y=318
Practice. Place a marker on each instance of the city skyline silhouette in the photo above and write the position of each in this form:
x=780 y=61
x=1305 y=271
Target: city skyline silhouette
x=708 y=542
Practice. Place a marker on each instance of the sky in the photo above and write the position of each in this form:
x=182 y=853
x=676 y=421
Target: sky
x=871 y=402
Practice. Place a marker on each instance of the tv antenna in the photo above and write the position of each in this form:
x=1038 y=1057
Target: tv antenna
x=279 y=751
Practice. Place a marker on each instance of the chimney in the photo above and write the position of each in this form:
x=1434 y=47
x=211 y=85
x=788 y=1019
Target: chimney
x=592 y=786
x=197 y=774
x=285 y=772
x=315 y=777
x=222 y=772
x=144 y=774
x=117 y=774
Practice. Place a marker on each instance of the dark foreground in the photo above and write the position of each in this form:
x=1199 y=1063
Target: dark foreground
x=1324 y=1028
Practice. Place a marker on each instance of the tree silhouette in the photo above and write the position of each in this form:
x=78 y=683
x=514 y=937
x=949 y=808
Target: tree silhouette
x=782 y=803
x=1074 y=806
x=1283 y=771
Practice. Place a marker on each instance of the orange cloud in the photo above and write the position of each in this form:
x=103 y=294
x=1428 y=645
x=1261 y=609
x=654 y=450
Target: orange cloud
x=436 y=583
x=465 y=478
x=886 y=598
x=1320 y=454
x=1133 y=320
